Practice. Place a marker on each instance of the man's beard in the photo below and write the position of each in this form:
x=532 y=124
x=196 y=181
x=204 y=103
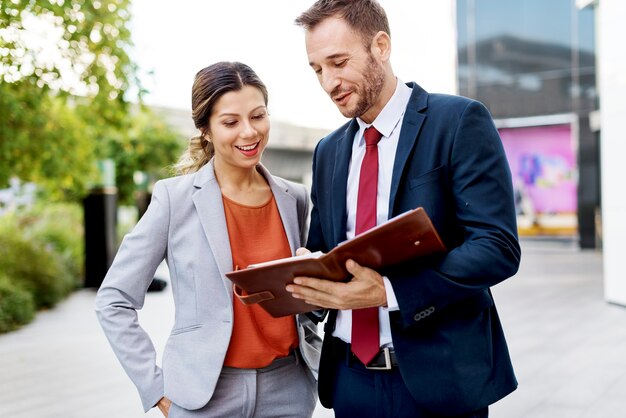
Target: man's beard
x=373 y=80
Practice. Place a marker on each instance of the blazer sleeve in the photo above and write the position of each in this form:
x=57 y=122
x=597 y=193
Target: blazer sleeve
x=486 y=250
x=303 y=214
x=123 y=292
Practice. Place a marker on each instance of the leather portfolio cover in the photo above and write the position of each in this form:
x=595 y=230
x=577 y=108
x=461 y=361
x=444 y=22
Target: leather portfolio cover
x=402 y=238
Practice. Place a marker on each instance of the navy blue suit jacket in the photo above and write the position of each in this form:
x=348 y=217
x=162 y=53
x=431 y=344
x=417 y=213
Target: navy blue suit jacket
x=447 y=335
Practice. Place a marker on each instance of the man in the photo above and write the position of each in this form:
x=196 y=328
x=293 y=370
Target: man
x=429 y=324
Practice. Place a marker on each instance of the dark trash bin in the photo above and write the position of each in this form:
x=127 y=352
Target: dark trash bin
x=100 y=211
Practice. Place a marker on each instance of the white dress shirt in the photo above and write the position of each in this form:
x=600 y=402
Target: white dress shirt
x=388 y=123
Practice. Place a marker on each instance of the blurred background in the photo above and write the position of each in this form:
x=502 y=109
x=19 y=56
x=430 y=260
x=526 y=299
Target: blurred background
x=95 y=107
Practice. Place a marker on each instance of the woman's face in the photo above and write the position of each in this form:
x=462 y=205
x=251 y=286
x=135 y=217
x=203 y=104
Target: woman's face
x=239 y=128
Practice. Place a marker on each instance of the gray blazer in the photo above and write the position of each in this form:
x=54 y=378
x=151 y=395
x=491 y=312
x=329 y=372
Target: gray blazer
x=186 y=226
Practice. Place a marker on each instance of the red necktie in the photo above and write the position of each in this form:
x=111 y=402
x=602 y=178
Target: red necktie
x=365 y=340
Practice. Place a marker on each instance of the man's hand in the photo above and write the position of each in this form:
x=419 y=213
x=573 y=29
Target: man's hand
x=365 y=290
x=164 y=406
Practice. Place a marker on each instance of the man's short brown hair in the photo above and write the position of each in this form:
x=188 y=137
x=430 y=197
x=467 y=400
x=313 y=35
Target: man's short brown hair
x=366 y=17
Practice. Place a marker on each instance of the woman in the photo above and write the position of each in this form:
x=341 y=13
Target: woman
x=225 y=212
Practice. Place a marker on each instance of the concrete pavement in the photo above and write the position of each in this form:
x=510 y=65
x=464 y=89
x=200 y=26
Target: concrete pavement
x=568 y=348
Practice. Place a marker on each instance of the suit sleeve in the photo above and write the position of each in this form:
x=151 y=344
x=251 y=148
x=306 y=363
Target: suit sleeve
x=315 y=240
x=303 y=213
x=486 y=250
x=123 y=292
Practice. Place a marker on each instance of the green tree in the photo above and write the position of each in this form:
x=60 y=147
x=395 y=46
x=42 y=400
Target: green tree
x=65 y=79
x=75 y=47
x=149 y=145
x=43 y=140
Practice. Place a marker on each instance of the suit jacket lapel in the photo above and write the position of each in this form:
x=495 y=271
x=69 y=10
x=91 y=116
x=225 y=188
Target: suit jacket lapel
x=343 y=154
x=287 y=207
x=208 y=202
x=411 y=125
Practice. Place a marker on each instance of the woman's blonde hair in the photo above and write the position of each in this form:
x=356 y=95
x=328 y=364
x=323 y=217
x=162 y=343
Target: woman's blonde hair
x=209 y=85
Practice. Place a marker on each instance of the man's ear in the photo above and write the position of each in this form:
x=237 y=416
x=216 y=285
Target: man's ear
x=381 y=46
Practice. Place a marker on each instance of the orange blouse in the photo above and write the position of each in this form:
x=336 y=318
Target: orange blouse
x=256 y=235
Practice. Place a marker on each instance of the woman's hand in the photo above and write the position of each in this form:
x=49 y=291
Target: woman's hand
x=302 y=251
x=164 y=406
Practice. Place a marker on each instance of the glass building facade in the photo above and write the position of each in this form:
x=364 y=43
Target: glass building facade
x=527 y=57
x=532 y=60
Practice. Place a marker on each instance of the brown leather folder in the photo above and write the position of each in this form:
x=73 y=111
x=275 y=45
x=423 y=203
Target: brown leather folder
x=402 y=238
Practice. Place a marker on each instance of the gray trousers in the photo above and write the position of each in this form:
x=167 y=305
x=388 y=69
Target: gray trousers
x=285 y=388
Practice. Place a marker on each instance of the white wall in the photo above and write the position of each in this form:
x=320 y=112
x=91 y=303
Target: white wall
x=611 y=15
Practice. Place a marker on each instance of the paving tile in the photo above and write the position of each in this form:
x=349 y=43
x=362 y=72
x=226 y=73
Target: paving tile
x=607 y=407
x=553 y=411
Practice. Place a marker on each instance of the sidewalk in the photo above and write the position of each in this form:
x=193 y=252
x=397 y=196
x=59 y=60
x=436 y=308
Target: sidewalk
x=568 y=345
x=568 y=348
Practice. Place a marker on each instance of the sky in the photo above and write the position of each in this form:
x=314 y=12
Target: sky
x=174 y=40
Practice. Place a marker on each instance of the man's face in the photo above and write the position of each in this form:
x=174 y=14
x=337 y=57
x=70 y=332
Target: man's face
x=345 y=68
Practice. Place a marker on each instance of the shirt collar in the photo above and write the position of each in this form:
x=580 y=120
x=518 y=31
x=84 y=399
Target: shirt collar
x=387 y=120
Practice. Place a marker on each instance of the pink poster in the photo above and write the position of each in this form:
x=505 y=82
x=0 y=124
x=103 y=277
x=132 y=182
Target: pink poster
x=543 y=167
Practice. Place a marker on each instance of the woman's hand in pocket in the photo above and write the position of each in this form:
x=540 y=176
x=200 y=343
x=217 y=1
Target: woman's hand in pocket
x=164 y=406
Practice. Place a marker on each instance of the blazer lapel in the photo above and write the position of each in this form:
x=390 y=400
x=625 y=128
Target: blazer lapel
x=343 y=154
x=208 y=202
x=409 y=132
x=287 y=207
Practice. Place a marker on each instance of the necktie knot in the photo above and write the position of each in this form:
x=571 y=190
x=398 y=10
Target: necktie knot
x=372 y=136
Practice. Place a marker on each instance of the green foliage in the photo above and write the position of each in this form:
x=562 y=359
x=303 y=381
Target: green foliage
x=41 y=260
x=85 y=43
x=42 y=140
x=150 y=145
x=16 y=305
x=34 y=266
x=64 y=98
x=60 y=228
x=65 y=79
x=64 y=70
